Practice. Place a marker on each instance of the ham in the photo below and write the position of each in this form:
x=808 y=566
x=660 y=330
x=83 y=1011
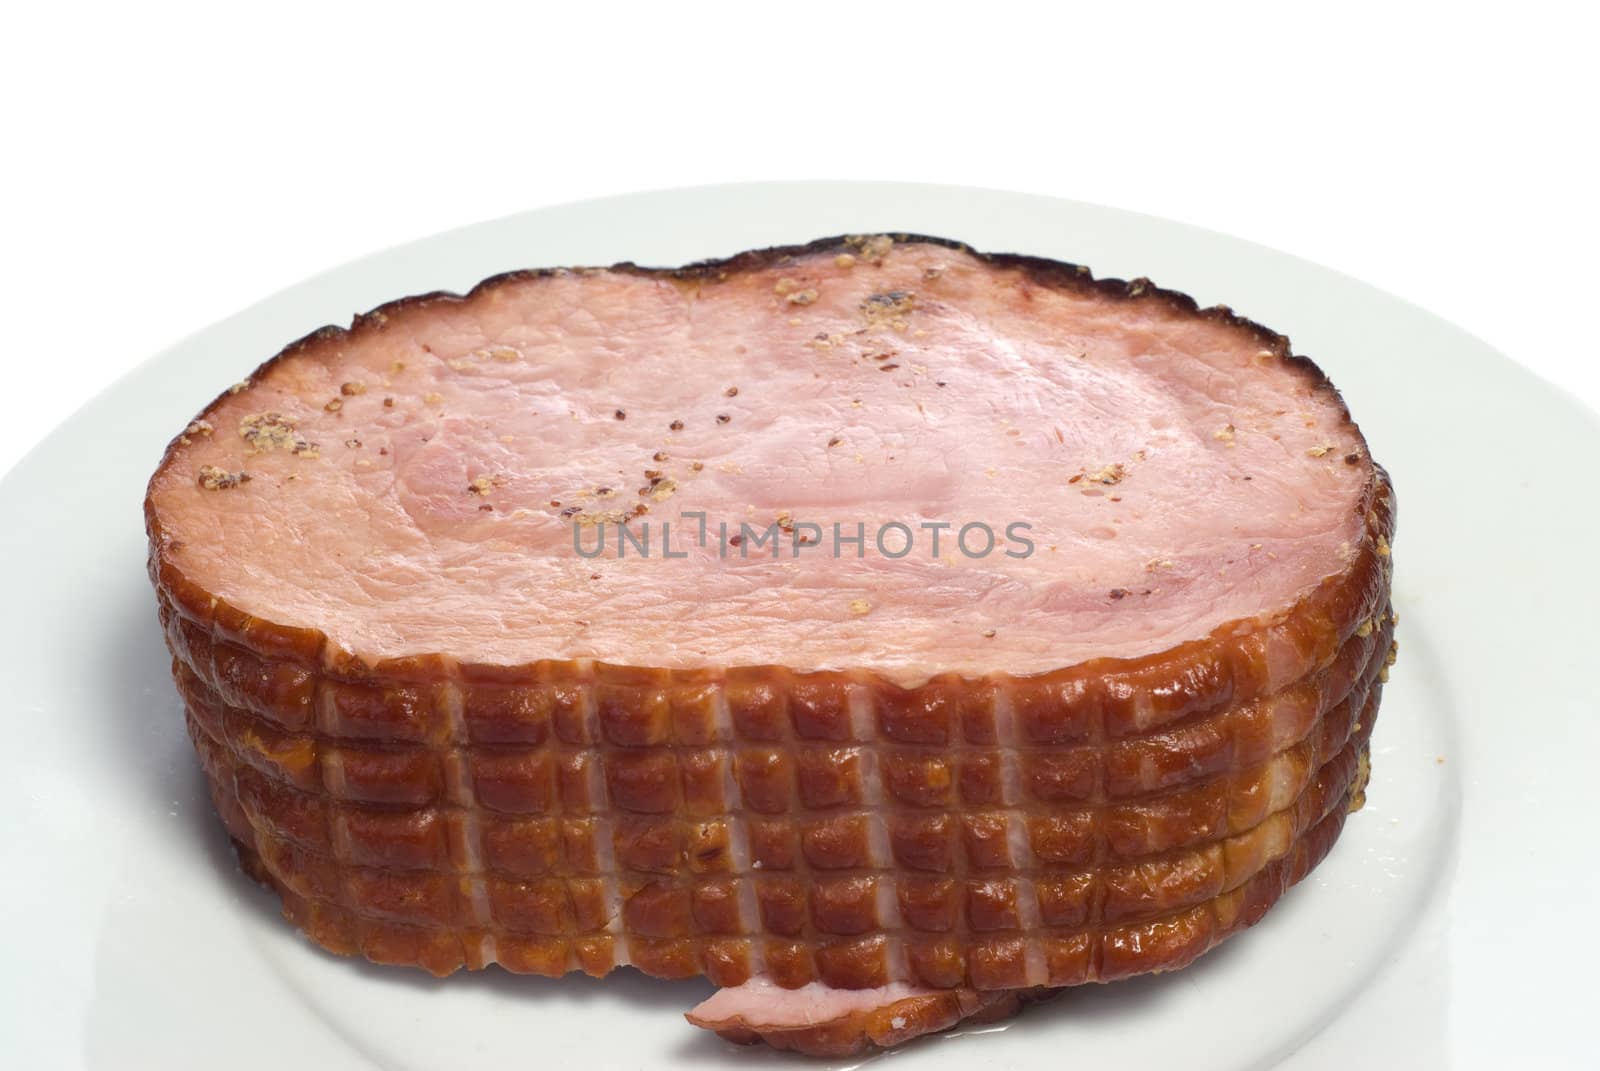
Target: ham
x=820 y=1020
x=880 y=629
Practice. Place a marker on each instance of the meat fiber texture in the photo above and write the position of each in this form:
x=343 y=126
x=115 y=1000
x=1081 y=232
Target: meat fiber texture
x=870 y=793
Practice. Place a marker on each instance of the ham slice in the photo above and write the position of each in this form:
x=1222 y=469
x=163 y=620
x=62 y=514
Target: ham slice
x=596 y=618
x=819 y=1020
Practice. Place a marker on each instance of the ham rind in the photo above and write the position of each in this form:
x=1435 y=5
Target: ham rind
x=447 y=736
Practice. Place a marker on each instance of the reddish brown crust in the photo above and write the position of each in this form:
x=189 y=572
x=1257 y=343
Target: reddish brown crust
x=396 y=894
x=1187 y=936
x=434 y=813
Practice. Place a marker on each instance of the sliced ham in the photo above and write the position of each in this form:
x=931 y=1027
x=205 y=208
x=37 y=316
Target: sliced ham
x=819 y=1020
x=1103 y=727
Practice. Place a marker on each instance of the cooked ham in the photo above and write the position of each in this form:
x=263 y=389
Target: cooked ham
x=820 y=1020
x=449 y=733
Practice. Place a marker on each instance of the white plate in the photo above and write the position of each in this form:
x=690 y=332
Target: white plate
x=1450 y=926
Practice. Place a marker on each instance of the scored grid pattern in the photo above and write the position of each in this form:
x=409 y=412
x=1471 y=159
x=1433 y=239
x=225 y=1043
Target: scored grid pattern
x=498 y=818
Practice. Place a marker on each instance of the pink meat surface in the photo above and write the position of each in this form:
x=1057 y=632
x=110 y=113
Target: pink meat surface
x=419 y=477
x=819 y=1020
x=762 y=1001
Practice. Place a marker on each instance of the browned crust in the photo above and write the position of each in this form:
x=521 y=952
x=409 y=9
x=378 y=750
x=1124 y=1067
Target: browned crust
x=424 y=750
x=1156 y=911
x=1185 y=938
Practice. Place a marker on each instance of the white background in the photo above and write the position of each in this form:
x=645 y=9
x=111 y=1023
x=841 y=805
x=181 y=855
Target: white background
x=162 y=165
x=165 y=164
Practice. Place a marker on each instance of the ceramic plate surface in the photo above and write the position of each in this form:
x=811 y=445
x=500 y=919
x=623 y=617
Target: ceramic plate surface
x=1449 y=927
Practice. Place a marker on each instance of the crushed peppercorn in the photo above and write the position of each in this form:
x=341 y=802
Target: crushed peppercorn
x=214 y=479
x=873 y=247
x=264 y=432
x=1111 y=475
